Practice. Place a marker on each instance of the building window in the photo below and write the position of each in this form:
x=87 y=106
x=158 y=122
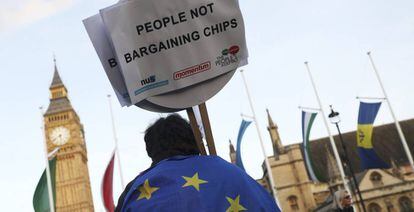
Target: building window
x=374 y=207
x=389 y=205
x=405 y=204
x=293 y=202
x=376 y=179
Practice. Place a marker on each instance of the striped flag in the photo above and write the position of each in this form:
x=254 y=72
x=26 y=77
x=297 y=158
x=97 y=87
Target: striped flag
x=366 y=117
x=243 y=126
x=307 y=121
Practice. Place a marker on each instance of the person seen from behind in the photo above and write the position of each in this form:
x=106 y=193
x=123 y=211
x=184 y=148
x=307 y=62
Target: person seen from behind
x=180 y=179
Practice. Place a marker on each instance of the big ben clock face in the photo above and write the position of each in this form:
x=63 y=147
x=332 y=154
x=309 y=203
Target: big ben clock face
x=59 y=135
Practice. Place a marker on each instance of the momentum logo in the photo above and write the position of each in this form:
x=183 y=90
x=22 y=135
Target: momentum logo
x=192 y=70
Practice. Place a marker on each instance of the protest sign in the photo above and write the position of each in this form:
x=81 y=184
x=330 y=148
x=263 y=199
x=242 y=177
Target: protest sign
x=169 y=102
x=165 y=46
x=192 y=95
x=96 y=31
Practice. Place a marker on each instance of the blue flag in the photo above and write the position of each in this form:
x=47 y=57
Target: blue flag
x=243 y=126
x=196 y=183
x=366 y=117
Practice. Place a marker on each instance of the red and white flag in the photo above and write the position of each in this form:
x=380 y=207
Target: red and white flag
x=107 y=186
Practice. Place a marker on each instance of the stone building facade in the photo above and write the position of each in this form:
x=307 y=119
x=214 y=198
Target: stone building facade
x=382 y=189
x=64 y=132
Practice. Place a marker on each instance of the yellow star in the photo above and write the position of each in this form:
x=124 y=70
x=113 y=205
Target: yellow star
x=193 y=181
x=235 y=205
x=146 y=190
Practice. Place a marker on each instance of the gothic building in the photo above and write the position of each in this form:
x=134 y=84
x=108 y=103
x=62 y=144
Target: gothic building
x=64 y=131
x=381 y=189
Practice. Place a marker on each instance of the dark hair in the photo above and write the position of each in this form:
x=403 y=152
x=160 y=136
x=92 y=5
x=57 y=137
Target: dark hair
x=169 y=137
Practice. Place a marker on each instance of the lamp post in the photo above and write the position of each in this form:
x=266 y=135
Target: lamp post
x=335 y=119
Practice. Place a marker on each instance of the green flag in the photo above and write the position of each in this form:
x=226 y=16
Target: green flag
x=41 y=195
x=307 y=121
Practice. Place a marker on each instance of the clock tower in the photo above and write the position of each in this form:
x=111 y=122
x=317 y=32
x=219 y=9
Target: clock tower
x=63 y=129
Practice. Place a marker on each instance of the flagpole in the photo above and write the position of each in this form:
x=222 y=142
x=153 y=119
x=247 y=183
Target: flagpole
x=397 y=124
x=335 y=150
x=116 y=142
x=269 y=170
x=48 y=178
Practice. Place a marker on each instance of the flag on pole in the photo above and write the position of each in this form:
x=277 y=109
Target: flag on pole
x=243 y=126
x=307 y=121
x=107 y=186
x=366 y=116
x=41 y=195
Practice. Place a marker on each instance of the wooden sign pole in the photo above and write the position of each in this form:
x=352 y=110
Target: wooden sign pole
x=207 y=129
x=196 y=131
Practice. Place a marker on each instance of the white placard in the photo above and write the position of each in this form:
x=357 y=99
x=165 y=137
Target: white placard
x=163 y=46
x=97 y=33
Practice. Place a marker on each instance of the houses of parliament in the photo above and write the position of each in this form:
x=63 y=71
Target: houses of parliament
x=382 y=190
x=386 y=190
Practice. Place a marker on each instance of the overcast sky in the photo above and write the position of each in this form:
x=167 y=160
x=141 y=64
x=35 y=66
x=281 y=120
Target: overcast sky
x=333 y=36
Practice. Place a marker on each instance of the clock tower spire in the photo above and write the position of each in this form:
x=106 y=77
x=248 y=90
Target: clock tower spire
x=63 y=129
x=57 y=88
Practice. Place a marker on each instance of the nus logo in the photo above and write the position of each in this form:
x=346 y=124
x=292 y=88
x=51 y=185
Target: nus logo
x=148 y=80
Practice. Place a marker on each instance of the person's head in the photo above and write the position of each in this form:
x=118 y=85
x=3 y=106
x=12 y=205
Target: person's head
x=346 y=201
x=343 y=199
x=169 y=137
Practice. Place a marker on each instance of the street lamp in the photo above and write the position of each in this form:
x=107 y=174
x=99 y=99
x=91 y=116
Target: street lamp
x=335 y=119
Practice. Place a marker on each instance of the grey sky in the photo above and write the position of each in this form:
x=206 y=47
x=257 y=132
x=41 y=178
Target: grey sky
x=333 y=36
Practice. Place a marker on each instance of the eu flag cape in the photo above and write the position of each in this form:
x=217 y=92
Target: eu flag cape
x=366 y=117
x=196 y=183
